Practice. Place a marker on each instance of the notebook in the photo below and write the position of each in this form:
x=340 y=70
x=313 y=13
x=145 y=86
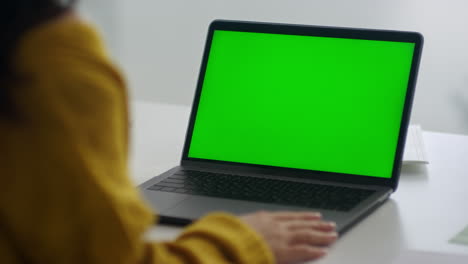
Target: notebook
x=415 y=151
x=296 y=118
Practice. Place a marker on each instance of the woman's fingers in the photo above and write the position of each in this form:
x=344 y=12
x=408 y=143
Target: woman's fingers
x=316 y=225
x=313 y=237
x=288 y=216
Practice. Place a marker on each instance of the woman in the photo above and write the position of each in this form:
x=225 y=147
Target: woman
x=65 y=194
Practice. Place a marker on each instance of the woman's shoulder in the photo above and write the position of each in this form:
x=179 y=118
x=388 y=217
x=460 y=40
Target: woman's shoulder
x=69 y=25
x=56 y=40
x=64 y=61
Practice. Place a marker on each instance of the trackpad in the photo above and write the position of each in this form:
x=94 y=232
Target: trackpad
x=197 y=206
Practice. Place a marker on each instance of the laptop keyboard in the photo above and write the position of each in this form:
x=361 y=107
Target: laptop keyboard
x=263 y=190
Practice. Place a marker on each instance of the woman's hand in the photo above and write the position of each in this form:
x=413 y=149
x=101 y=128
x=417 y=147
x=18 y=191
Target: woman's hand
x=293 y=237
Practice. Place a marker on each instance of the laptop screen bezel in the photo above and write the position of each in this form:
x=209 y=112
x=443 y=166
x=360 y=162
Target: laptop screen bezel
x=321 y=31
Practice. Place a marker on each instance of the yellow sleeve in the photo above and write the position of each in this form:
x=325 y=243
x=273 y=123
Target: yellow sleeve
x=217 y=238
x=74 y=202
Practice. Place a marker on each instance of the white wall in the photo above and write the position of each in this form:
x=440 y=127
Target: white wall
x=159 y=43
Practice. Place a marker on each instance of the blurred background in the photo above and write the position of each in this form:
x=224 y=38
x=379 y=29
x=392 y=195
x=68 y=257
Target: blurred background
x=159 y=43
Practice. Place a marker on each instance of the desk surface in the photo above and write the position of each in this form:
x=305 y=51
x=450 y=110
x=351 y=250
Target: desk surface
x=427 y=210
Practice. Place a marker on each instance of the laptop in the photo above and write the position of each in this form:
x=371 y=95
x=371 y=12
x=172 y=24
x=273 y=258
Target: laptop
x=293 y=118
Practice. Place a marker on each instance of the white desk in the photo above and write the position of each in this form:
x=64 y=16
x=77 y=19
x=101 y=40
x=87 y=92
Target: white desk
x=429 y=207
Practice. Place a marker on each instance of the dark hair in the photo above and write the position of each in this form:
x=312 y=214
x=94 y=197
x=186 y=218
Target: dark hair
x=17 y=17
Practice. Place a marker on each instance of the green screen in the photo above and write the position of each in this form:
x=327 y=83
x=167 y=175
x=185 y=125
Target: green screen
x=315 y=103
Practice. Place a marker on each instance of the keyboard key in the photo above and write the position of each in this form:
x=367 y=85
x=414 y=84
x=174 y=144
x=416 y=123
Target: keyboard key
x=178 y=176
x=174 y=180
x=155 y=187
x=170 y=184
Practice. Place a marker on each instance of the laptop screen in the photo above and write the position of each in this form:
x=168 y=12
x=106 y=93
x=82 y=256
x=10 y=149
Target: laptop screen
x=303 y=102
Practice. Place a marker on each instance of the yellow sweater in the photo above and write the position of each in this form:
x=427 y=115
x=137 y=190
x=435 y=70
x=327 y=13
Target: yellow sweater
x=65 y=193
